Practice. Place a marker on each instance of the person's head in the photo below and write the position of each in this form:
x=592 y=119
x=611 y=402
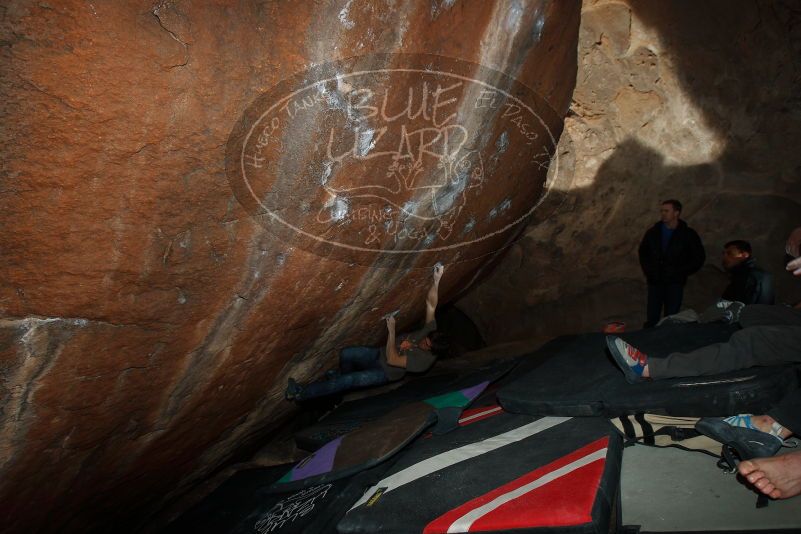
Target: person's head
x=734 y=253
x=670 y=212
x=439 y=343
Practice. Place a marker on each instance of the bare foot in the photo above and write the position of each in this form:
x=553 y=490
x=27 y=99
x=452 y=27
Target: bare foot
x=778 y=477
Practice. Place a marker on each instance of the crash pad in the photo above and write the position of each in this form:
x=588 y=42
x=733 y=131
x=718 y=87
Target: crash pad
x=379 y=440
x=506 y=473
x=359 y=449
x=576 y=376
x=352 y=415
x=242 y=505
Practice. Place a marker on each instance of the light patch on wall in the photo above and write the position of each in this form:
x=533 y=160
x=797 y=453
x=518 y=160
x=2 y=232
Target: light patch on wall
x=366 y=142
x=469 y=226
x=339 y=208
x=438 y=7
x=446 y=196
x=502 y=142
x=513 y=17
x=642 y=101
x=343 y=16
x=692 y=140
x=539 y=24
x=500 y=208
x=326 y=174
x=410 y=207
x=500 y=35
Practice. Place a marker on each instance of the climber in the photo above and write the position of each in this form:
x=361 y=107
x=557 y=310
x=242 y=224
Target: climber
x=361 y=366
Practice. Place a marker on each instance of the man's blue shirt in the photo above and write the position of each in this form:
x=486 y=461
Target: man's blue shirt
x=666 y=235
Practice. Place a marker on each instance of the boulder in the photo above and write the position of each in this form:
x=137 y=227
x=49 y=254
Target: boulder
x=199 y=200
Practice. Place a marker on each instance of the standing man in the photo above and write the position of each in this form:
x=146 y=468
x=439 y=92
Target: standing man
x=749 y=284
x=669 y=252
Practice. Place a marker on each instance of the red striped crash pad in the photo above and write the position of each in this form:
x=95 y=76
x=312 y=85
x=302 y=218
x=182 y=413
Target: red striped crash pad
x=503 y=473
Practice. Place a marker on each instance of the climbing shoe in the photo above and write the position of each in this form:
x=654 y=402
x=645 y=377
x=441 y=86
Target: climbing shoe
x=293 y=390
x=630 y=360
x=739 y=434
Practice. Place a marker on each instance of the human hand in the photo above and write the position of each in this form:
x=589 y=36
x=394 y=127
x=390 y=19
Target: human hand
x=795 y=266
x=793 y=247
x=391 y=323
x=438 y=270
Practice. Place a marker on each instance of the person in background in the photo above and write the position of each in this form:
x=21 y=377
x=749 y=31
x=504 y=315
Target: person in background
x=749 y=284
x=771 y=335
x=669 y=252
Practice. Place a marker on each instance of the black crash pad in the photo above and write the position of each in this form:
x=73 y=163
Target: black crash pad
x=360 y=449
x=352 y=415
x=505 y=473
x=242 y=505
x=379 y=440
x=576 y=376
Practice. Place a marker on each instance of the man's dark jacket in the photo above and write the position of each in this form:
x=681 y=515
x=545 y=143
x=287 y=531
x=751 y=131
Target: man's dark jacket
x=684 y=255
x=750 y=284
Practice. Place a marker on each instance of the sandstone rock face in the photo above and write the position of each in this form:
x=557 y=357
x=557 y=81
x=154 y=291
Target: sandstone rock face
x=170 y=254
x=695 y=101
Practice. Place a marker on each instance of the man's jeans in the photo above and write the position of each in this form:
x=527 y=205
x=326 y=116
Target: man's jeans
x=667 y=296
x=359 y=367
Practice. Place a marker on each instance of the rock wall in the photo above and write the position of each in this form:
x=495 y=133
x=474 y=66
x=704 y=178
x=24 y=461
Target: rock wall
x=161 y=276
x=690 y=100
